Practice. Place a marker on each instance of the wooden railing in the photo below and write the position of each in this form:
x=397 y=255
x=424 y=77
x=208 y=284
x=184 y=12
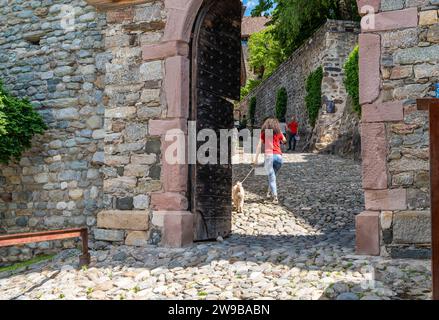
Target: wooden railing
x=432 y=106
x=23 y=238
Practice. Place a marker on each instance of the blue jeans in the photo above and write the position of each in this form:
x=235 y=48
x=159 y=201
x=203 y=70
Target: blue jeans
x=272 y=165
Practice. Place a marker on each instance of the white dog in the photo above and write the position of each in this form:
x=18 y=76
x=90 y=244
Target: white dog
x=238 y=195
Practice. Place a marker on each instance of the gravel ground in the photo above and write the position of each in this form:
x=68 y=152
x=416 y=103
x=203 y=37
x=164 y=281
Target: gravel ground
x=302 y=248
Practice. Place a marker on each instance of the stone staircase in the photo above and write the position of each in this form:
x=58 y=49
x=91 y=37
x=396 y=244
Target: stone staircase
x=326 y=131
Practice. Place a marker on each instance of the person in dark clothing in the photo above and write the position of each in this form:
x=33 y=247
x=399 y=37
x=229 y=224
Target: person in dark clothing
x=293 y=128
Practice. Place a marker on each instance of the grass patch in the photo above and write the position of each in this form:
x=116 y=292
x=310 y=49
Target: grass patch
x=202 y=294
x=27 y=263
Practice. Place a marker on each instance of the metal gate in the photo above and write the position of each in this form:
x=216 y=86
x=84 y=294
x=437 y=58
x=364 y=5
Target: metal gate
x=216 y=73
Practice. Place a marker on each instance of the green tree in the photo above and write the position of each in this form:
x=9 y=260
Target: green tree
x=262 y=8
x=252 y=110
x=351 y=80
x=281 y=104
x=265 y=52
x=313 y=97
x=249 y=86
x=295 y=21
x=19 y=122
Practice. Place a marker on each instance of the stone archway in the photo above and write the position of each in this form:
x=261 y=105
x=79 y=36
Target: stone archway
x=173 y=205
x=383 y=108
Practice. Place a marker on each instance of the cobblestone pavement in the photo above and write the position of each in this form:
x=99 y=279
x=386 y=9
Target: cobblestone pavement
x=302 y=248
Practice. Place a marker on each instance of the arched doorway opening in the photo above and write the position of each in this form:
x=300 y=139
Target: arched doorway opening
x=215 y=81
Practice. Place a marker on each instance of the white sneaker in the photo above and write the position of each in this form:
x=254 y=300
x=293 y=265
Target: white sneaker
x=275 y=200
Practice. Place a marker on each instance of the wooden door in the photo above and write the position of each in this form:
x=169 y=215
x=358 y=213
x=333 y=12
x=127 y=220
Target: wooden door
x=216 y=74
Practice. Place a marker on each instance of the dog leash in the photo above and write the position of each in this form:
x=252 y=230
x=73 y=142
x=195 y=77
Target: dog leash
x=248 y=175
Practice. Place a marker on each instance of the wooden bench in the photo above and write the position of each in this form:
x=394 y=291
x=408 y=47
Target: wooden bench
x=22 y=238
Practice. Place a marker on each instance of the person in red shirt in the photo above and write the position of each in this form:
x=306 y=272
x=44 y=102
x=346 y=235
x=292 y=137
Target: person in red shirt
x=271 y=137
x=293 y=128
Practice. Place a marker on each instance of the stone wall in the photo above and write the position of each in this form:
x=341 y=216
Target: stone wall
x=329 y=48
x=399 y=62
x=347 y=141
x=97 y=94
x=58 y=183
x=333 y=131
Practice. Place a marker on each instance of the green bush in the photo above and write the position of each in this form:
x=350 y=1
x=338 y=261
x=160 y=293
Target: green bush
x=252 y=110
x=281 y=104
x=249 y=86
x=313 y=98
x=351 y=80
x=19 y=122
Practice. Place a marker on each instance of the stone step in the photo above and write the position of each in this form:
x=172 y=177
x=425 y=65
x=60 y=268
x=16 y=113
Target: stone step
x=123 y=220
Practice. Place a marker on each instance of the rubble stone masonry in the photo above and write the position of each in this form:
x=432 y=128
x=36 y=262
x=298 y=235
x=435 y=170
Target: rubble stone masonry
x=399 y=62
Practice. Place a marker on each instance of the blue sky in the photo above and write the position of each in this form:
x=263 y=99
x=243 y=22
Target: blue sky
x=250 y=5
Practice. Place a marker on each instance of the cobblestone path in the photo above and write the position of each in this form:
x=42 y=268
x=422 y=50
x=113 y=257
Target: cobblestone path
x=302 y=248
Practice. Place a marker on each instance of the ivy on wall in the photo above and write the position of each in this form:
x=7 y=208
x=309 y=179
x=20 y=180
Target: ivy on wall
x=252 y=110
x=19 y=122
x=313 y=97
x=351 y=80
x=281 y=104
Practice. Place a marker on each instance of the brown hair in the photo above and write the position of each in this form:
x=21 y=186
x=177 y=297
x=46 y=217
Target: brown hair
x=271 y=124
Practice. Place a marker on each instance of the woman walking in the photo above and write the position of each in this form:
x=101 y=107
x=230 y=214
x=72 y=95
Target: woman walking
x=271 y=137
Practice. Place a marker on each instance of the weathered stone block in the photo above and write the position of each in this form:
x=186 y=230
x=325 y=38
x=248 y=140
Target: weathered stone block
x=362 y=4
x=417 y=55
x=401 y=72
x=137 y=239
x=162 y=127
x=143 y=159
x=120 y=113
x=386 y=200
x=146 y=113
x=119 y=184
x=408 y=164
x=136 y=170
x=125 y=203
x=135 y=131
x=150 y=71
x=368 y=233
x=158 y=218
x=433 y=34
x=169 y=201
x=426 y=70
x=403 y=179
x=412 y=227
x=125 y=220
x=178 y=229
x=370 y=79
x=390 y=5
x=382 y=112
x=151 y=97
x=177 y=86
x=120 y=15
x=66 y=114
x=141 y=202
x=109 y=235
x=374 y=155
x=164 y=50
x=116 y=160
x=386 y=219
x=428 y=17
x=400 y=38
x=393 y=20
